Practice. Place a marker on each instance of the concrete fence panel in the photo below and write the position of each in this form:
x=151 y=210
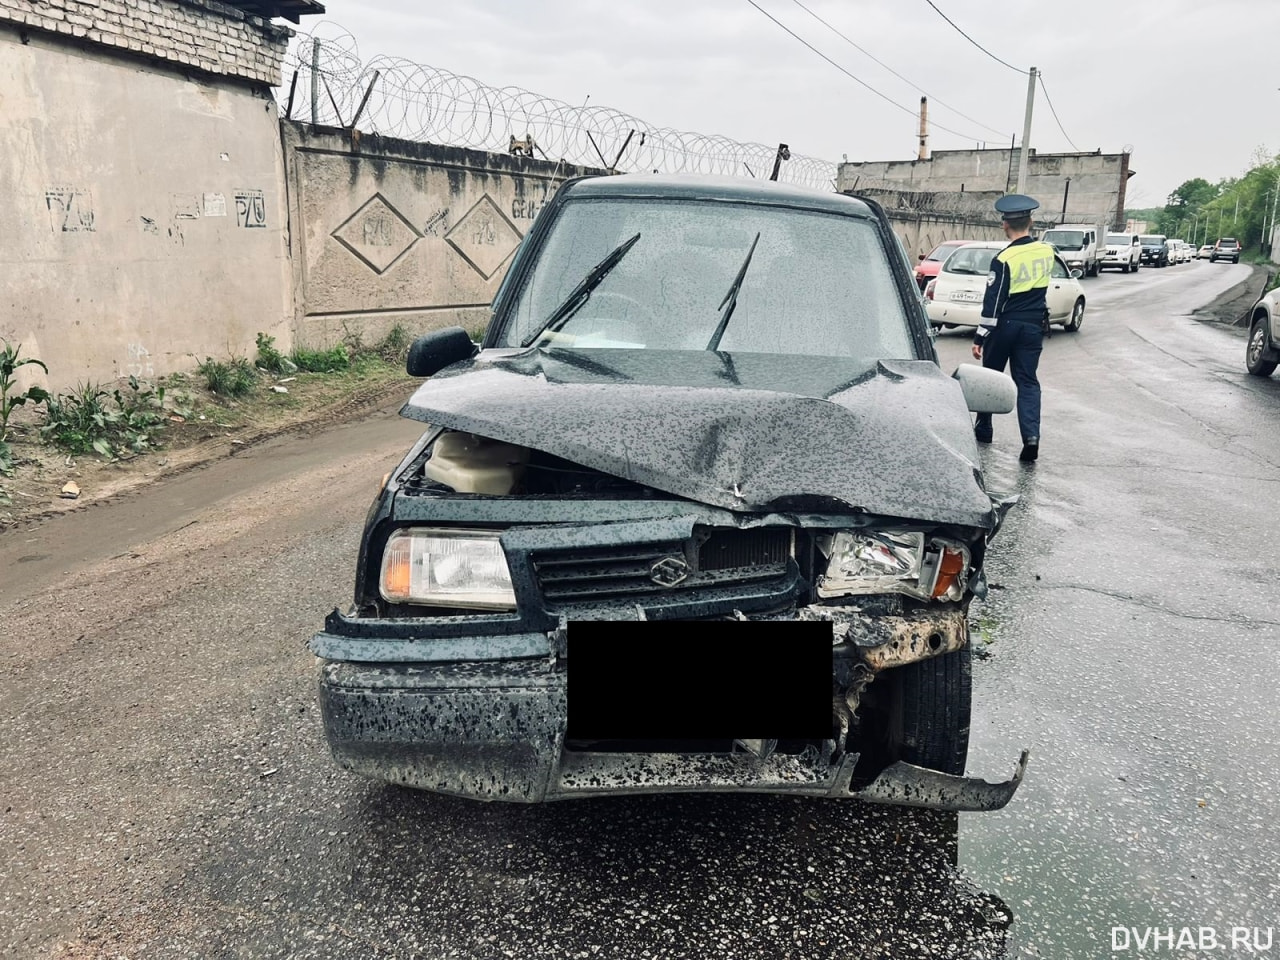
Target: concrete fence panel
x=390 y=232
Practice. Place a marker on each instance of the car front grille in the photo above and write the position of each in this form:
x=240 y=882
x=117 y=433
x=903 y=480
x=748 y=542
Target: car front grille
x=713 y=558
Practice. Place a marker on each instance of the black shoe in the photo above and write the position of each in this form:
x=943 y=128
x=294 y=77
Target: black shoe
x=1030 y=450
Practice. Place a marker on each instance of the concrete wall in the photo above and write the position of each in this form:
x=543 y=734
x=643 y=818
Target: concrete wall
x=1097 y=180
x=144 y=220
x=203 y=35
x=391 y=232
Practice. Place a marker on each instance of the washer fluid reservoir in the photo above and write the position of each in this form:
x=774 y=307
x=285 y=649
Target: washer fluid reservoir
x=472 y=464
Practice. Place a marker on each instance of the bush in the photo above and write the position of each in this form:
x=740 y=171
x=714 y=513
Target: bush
x=269 y=358
x=228 y=378
x=321 y=361
x=92 y=419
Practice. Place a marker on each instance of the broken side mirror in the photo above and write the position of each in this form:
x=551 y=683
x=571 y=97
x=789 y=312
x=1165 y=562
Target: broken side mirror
x=438 y=349
x=986 y=391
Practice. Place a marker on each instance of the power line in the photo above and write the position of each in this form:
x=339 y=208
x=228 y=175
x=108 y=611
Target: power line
x=893 y=71
x=858 y=80
x=1045 y=91
x=973 y=41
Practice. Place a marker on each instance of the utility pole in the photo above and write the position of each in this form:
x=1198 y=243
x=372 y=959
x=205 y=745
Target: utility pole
x=1065 y=193
x=923 y=153
x=1026 y=131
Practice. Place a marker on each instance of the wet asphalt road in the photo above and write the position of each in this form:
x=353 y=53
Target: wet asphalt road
x=166 y=792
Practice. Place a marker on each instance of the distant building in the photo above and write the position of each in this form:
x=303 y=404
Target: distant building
x=1092 y=184
x=1137 y=226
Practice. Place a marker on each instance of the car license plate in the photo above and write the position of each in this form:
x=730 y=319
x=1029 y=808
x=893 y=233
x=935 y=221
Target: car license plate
x=966 y=296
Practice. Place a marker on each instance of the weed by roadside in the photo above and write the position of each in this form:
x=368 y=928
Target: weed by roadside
x=234 y=377
x=11 y=399
x=271 y=359
x=91 y=419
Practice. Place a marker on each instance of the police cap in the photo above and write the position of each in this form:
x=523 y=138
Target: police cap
x=1016 y=205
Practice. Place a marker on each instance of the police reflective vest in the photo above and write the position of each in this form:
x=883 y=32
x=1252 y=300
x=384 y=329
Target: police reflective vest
x=1017 y=282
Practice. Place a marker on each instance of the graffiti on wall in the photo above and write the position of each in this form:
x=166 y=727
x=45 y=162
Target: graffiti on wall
x=251 y=208
x=70 y=210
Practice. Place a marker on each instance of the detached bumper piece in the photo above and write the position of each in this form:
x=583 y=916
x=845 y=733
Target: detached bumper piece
x=907 y=785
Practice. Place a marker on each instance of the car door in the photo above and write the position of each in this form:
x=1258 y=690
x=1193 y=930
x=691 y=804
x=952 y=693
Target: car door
x=1061 y=295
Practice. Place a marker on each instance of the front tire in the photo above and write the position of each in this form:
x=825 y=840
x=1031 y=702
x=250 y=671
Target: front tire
x=1255 y=354
x=1077 y=317
x=931 y=713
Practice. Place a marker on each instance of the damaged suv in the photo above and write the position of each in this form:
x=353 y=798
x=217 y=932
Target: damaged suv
x=699 y=399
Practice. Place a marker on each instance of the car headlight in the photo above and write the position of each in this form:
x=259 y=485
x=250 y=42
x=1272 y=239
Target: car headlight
x=864 y=561
x=446 y=568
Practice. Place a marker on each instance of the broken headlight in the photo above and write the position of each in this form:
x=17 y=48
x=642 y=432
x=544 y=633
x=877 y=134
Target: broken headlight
x=867 y=561
x=446 y=568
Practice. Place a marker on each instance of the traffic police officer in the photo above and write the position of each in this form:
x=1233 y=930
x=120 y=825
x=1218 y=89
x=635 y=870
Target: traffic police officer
x=1015 y=305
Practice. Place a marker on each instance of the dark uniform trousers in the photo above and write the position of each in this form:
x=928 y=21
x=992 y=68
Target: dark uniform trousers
x=1017 y=342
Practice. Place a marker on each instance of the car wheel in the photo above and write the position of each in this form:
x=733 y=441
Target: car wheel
x=1236 y=260
x=931 y=712
x=1254 y=357
x=1077 y=317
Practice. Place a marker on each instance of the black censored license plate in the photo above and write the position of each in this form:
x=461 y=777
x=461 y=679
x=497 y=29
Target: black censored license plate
x=699 y=680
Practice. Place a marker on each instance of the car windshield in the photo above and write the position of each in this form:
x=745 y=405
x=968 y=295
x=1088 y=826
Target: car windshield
x=816 y=284
x=975 y=260
x=1119 y=240
x=943 y=250
x=1152 y=241
x=1227 y=243
x=1065 y=239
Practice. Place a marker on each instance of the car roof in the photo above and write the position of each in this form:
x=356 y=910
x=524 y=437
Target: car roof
x=987 y=244
x=708 y=187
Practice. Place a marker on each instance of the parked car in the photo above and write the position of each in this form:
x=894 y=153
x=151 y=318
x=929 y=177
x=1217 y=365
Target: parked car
x=1228 y=248
x=928 y=267
x=1155 y=250
x=954 y=299
x=1263 y=351
x=1080 y=244
x=1124 y=250
x=1205 y=252
x=1178 y=251
x=698 y=399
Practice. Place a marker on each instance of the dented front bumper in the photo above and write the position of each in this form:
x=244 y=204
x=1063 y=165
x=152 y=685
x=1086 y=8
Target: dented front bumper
x=493 y=726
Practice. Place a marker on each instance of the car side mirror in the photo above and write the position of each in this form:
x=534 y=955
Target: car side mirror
x=438 y=349
x=986 y=391
x=1077 y=274
x=921 y=257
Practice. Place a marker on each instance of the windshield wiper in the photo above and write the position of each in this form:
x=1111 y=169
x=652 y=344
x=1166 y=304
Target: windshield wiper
x=731 y=298
x=582 y=292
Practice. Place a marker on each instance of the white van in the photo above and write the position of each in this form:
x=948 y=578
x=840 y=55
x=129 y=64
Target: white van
x=1124 y=250
x=1079 y=244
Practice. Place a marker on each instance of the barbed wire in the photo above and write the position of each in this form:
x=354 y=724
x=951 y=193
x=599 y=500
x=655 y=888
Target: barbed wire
x=413 y=101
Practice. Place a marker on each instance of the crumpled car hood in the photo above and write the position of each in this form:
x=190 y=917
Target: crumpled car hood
x=745 y=432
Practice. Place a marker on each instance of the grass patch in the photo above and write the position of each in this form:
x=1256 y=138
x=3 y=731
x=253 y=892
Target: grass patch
x=321 y=361
x=228 y=378
x=91 y=419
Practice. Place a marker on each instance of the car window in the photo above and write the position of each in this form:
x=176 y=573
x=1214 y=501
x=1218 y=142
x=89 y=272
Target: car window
x=1059 y=271
x=1118 y=240
x=942 y=251
x=818 y=284
x=1065 y=239
x=970 y=260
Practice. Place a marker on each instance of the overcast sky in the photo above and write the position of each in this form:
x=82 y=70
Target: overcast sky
x=1190 y=85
